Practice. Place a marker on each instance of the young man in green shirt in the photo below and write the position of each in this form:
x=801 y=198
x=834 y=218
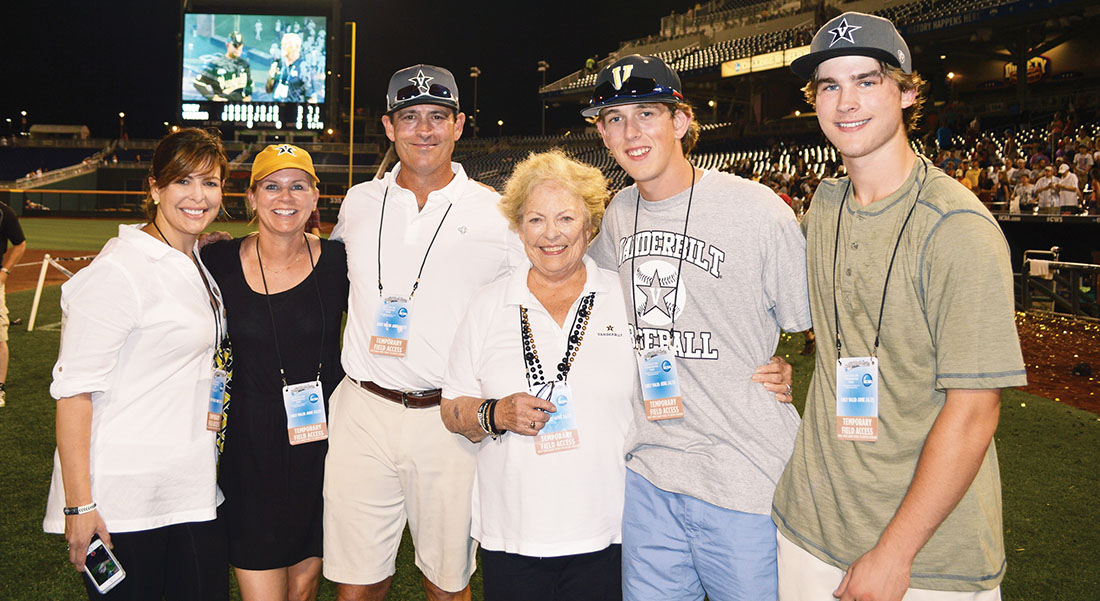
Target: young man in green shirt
x=893 y=488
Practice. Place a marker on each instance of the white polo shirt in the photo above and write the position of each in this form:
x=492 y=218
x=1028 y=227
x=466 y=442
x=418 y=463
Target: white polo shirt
x=474 y=247
x=561 y=503
x=139 y=335
x=1048 y=197
x=1068 y=198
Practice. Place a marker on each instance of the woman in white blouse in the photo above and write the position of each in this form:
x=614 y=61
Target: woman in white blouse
x=135 y=462
x=551 y=343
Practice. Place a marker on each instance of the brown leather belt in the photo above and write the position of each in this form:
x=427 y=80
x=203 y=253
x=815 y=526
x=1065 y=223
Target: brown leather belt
x=414 y=399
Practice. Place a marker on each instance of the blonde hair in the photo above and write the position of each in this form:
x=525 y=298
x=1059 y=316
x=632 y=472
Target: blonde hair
x=583 y=181
x=905 y=81
x=291 y=42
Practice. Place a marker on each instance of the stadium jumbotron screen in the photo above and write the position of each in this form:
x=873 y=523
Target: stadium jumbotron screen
x=254 y=70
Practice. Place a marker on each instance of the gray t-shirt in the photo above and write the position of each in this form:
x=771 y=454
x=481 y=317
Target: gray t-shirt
x=743 y=278
x=947 y=322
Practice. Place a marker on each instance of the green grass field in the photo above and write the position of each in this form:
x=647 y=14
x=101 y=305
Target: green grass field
x=51 y=233
x=1048 y=454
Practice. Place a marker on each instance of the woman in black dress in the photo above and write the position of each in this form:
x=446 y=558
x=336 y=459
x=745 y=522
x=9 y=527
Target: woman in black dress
x=285 y=294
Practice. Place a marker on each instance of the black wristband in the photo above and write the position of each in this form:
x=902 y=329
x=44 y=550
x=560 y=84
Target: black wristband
x=493 y=419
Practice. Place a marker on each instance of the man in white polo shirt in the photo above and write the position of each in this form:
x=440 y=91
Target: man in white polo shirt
x=420 y=242
x=1068 y=191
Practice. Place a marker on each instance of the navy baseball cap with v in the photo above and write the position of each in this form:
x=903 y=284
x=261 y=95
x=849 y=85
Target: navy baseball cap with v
x=422 y=84
x=634 y=79
x=858 y=34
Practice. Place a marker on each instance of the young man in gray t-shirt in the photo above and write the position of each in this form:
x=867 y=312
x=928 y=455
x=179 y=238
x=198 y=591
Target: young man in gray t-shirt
x=893 y=489
x=713 y=266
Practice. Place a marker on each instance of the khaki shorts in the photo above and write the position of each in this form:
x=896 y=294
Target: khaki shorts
x=3 y=315
x=387 y=464
x=803 y=577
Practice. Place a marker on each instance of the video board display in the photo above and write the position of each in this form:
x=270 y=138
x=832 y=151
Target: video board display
x=254 y=70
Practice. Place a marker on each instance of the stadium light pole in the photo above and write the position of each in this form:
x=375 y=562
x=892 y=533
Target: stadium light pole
x=121 y=125
x=24 y=115
x=500 y=127
x=475 y=73
x=351 y=109
x=543 y=66
x=9 y=125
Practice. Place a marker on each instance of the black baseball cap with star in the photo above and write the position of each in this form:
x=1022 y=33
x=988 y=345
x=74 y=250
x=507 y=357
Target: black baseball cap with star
x=632 y=80
x=421 y=84
x=858 y=34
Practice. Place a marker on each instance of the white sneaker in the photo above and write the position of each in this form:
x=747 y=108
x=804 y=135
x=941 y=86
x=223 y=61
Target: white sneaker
x=3 y=400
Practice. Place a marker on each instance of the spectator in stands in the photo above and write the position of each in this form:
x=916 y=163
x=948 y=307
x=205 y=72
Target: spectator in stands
x=1023 y=195
x=550 y=475
x=390 y=457
x=1082 y=163
x=285 y=295
x=972 y=172
x=960 y=176
x=1055 y=127
x=1039 y=161
x=1018 y=171
x=134 y=379
x=1002 y=191
x=1010 y=151
x=915 y=504
x=985 y=186
x=1094 y=181
x=10 y=232
x=704 y=452
x=1067 y=188
x=1046 y=191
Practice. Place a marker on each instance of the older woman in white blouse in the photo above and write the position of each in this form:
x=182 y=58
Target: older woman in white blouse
x=551 y=343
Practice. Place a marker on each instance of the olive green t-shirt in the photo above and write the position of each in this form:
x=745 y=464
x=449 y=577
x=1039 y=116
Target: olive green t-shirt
x=948 y=322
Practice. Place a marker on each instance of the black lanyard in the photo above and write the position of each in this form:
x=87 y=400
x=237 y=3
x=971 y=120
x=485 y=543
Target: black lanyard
x=573 y=344
x=212 y=298
x=890 y=268
x=679 y=268
x=320 y=304
x=423 y=262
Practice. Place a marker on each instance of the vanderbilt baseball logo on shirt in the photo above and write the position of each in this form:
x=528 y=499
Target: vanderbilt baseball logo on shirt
x=857 y=399
x=390 y=336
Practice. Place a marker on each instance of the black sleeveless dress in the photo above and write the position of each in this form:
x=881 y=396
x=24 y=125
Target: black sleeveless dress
x=273 y=499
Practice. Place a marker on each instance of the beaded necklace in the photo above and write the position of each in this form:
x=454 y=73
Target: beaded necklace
x=573 y=344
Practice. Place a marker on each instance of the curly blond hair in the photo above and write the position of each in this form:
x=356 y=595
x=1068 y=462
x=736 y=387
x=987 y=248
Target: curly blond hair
x=583 y=181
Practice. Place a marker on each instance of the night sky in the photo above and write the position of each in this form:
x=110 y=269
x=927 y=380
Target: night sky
x=81 y=62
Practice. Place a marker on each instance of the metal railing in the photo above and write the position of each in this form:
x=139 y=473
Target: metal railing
x=1047 y=284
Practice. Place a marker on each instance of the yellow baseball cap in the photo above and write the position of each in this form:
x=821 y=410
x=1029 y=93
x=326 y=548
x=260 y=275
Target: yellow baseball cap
x=281 y=156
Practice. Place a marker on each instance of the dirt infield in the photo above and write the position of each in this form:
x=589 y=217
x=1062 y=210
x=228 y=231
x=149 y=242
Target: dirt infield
x=25 y=277
x=1052 y=345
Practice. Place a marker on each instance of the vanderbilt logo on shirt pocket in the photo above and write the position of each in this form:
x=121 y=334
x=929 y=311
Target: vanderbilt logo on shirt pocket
x=609 y=330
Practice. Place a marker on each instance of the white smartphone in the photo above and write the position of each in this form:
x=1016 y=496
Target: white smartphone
x=103 y=567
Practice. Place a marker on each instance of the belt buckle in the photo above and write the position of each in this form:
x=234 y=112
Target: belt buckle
x=405 y=394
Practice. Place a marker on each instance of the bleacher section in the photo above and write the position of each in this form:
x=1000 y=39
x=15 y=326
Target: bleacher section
x=18 y=161
x=713 y=18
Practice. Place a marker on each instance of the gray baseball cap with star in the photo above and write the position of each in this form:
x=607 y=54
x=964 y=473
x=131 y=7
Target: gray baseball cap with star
x=858 y=34
x=422 y=84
